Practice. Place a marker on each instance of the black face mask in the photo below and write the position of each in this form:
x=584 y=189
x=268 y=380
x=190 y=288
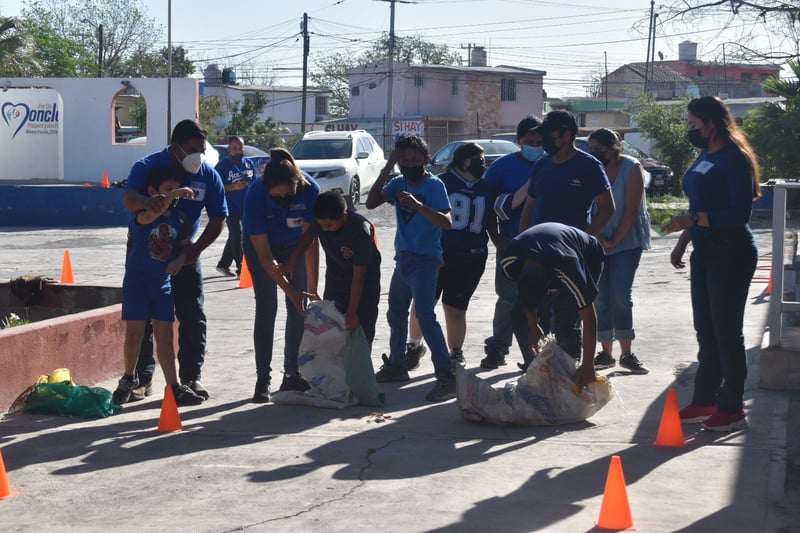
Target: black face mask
x=600 y=156
x=413 y=173
x=549 y=145
x=476 y=168
x=282 y=201
x=697 y=139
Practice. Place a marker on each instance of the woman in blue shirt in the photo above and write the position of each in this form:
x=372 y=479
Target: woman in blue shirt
x=721 y=186
x=278 y=208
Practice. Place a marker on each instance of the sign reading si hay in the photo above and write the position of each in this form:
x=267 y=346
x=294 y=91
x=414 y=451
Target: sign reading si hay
x=31 y=134
x=415 y=127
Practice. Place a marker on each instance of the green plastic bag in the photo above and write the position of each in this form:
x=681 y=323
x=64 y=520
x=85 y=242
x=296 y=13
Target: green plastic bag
x=70 y=400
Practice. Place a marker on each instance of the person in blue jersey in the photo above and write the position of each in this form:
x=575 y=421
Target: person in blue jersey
x=423 y=211
x=352 y=259
x=236 y=171
x=509 y=176
x=278 y=209
x=721 y=186
x=571 y=187
x=157 y=240
x=551 y=255
x=185 y=154
x=465 y=245
x=624 y=238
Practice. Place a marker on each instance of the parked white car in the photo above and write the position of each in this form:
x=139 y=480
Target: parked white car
x=345 y=161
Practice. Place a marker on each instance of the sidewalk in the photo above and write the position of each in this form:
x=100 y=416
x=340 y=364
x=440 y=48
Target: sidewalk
x=414 y=466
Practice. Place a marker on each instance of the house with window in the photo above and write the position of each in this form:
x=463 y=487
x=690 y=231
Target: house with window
x=443 y=102
x=284 y=103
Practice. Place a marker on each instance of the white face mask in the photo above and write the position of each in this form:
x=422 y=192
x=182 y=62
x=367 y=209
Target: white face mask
x=192 y=162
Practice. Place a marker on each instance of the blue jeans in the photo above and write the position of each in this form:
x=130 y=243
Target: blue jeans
x=614 y=305
x=187 y=288
x=509 y=317
x=414 y=278
x=722 y=268
x=232 y=253
x=266 y=294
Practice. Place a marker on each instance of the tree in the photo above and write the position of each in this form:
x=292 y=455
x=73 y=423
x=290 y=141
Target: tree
x=210 y=110
x=331 y=70
x=774 y=128
x=151 y=64
x=746 y=23
x=58 y=57
x=16 y=53
x=666 y=126
x=244 y=122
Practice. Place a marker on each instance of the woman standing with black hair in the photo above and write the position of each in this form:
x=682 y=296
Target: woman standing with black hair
x=721 y=186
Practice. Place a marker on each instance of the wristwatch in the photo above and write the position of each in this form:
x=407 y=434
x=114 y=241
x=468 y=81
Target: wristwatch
x=695 y=218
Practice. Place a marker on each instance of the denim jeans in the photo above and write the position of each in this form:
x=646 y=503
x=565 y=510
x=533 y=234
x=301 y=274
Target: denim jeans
x=558 y=314
x=614 y=305
x=414 y=278
x=266 y=295
x=232 y=253
x=509 y=317
x=187 y=288
x=722 y=268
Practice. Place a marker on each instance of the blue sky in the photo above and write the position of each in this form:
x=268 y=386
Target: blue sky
x=567 y=39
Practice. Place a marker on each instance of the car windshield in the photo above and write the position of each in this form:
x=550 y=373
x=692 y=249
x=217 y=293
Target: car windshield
x=323 y=149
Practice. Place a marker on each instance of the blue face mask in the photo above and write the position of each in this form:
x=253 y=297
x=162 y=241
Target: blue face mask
x=532 y=153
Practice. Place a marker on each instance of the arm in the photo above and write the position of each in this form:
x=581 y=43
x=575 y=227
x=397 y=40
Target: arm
x=493 y=231
x=376 y=197
x=520 y=195
x=302 y=245
x=210 y=233
x=585 y=373
x=236 y=186
x=312 y=262
x=438 y=218
x=676 y=257
x=605 y=210
x=135 y=201
x=527 y=213
x=147 y=216
x=267 y=262
x=634 y=190
x=356 y=289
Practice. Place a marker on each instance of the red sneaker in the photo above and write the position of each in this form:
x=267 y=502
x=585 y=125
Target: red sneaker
x=693 y=414
x=725 y=422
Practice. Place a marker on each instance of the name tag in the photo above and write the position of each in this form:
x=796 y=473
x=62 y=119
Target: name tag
x=199 y=189
x=294 y=222
x=704 y=167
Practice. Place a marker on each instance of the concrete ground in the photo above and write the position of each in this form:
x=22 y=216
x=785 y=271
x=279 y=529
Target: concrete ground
x=412 y=466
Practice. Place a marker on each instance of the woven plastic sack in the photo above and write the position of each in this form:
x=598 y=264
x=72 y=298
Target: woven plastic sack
x=70 y=400
x=545 y=395
x=335 y=363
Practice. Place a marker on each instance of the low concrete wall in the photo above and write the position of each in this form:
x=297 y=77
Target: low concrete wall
x=88 y=343
x=61 y=206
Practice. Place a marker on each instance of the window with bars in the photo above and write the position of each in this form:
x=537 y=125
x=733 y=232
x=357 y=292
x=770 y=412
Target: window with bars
x=321 y=105
x=418 y=80
x=508 y=90
x=355 y=90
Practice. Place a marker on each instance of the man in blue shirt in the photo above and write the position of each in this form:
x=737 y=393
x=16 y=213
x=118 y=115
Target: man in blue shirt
x=185 y=155
x=423 y=210
x=237 y=172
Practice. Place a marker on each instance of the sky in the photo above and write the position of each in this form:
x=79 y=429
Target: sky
x=570 y=40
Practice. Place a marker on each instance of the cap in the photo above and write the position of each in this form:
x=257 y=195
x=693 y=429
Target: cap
x=557 y=120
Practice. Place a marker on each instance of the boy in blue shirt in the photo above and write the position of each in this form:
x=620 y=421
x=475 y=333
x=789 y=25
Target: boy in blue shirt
x=423 y=210
x=155 y=237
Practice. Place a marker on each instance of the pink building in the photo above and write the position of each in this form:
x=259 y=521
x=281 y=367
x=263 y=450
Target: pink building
x=451 y=102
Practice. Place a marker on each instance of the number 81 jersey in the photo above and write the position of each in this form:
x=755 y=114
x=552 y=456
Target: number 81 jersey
x=470 y=210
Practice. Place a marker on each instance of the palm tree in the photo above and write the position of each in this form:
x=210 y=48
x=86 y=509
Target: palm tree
x=16 y=57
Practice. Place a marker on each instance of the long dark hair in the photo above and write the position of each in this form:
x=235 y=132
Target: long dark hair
x=462 y=154
x=712 y=109
x=283 y=170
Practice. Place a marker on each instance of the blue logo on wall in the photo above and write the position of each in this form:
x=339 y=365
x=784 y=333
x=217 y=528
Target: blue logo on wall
x=16 y=116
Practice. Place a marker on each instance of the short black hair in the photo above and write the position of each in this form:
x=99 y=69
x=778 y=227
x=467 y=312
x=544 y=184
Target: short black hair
x=526 y=124
x=532 y=288
x=158 y=175
x=329 y=205
x=416 y=142
x=187 y=129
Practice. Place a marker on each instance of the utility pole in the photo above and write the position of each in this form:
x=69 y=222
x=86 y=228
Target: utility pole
x=649 y=45
x=605 y=88
x=387 y=128
x=99 y=28
x=169 y=71
x=653 y=56
x=469 y=53
x=304 y=27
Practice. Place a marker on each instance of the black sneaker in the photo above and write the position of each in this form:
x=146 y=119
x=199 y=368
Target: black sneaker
x=261 y=394
x=225 y=271
x=604 y=360
x=445 y=389
x=632 y=363
x=125 y=385
x=196 y=387
x=493 y=357
x=142 y=391
x=390 y=372
x=414 y=354
x=294 y=382
x=185 y=396
x=457 y=355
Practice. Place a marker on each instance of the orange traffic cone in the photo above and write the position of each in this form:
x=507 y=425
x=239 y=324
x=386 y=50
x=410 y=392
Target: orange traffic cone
x=169 y=420
x=105 y=183
x=245 y=281
x=670 y=431
x=769 y=284
x=66 y=269
x=615 y=513
x=5 y=488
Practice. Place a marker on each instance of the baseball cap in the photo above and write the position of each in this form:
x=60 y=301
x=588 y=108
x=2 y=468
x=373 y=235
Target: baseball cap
x=557 y=120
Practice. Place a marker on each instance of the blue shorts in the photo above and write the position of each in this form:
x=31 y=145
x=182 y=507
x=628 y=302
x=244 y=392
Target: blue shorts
x=146 y=296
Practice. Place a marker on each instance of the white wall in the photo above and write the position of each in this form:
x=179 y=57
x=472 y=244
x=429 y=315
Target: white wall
x=86 y=126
